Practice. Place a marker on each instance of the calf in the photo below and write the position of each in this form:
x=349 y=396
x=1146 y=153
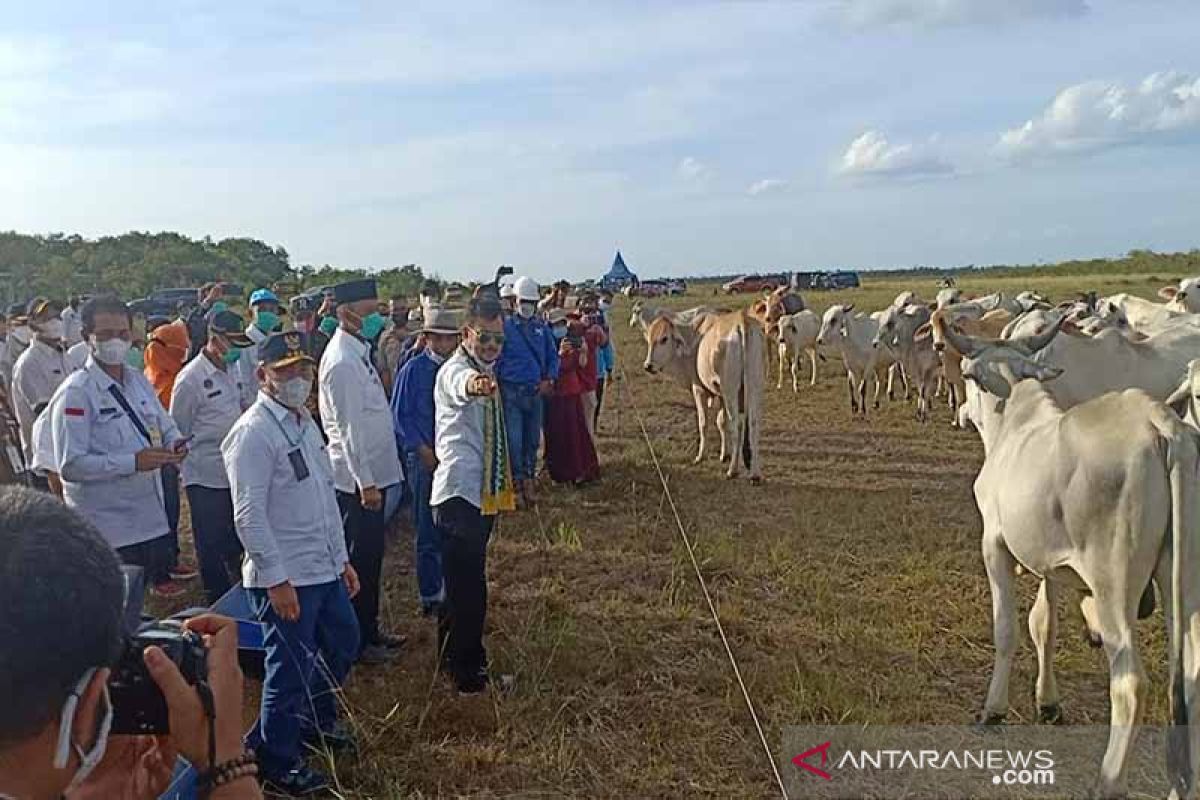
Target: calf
x=798 y=334
x=898 y=333
x=852 y=334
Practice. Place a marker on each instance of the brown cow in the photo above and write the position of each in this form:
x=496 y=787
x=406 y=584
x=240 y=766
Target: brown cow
x=989 y=326
x=721 y=358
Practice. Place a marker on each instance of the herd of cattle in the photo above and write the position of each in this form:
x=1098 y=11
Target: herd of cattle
x=1089 y=413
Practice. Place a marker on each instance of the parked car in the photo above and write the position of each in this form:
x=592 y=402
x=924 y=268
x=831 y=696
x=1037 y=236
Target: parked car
x=752 y=283
x=650 y=289
x=676 y=288
x=164 y=302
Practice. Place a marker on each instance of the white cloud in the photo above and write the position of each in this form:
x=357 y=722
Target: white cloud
x=691 y=169
x=871 y=154
x=766 y=185
x=937 y=13
x=1096 y=114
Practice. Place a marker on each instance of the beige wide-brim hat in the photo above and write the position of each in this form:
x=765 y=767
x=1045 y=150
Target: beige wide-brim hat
x=441 y=322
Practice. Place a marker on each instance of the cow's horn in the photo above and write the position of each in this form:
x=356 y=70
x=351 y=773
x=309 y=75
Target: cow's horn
x=964 y=344
x=1034 y=342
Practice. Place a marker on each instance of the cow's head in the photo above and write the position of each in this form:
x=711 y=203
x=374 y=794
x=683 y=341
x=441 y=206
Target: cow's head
x=664 y=345
x=1185 y=400
x=635 y=316
x=833 y=323
x=1184 y=297
x=886 y=335
x=995 y=365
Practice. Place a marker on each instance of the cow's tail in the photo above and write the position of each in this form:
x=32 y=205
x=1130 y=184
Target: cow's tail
x=752 y=337
x=1184 y=657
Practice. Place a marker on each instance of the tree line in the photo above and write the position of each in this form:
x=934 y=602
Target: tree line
x=134 y=264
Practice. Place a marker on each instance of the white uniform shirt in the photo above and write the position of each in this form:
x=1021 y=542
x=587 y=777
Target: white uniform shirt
x=458 y=433
x=357 y=417
x=95 y=449
x=290 y=526
x=43 y=445
x=246 y=366
x=72 y=326
x=205 y=403
x=36 y=375
x=77 y=355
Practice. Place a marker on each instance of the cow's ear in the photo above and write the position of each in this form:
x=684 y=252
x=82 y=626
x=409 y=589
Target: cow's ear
x=922 y=332
x=1112 y=307
x=848 y=307
x=1167 y=292
x=1179 y=398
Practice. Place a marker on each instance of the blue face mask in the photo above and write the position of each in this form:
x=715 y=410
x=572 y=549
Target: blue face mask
x=560 y=332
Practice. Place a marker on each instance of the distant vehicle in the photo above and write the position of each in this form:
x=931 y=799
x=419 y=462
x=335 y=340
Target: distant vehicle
x=651 y=289
x=752 y=283
x=164 y=302
x=840 y=279
x=676 y=288
x=665 y=286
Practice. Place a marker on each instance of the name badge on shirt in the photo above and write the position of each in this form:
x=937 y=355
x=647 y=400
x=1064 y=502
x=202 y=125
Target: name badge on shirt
x=156 y=438
x=299 y=465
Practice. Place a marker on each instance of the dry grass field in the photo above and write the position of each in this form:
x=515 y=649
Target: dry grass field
x=850 y=586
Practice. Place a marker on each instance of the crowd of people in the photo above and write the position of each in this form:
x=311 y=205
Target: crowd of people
x=297 y=445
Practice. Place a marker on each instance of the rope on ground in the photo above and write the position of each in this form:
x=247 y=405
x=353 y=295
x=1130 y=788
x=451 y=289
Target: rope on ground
x=687 y=542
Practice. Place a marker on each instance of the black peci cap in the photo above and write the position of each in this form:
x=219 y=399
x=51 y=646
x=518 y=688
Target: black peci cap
x=353 y=291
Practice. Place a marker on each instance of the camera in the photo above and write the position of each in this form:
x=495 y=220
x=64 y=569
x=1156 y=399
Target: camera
x=138 y=705
x=575 y=341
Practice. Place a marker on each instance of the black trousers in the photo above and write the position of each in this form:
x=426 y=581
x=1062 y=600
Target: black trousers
x=218 y=548
x=364 y=542
x=599 y=401
x=465 y=534
x=153 y=556
x=170 y=485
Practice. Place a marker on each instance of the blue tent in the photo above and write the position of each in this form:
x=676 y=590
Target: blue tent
x=619 y=276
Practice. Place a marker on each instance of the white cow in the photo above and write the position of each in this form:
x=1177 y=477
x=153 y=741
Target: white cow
x=1146 y=316
x=798 y=334
x=1183 y=297
x=948 y=296
x=898 y=334
x=1110 y=362
x=853 y=334
x=1101 y=497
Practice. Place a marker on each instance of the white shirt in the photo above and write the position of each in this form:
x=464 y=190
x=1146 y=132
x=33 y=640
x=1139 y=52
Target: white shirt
x=10 y=351
x=95 y=449
x=72 y=326
x=77 y=355
x=43 y=446
x=458 y=434
x=246 y=366
x=205 y=403
x=291 y=528
x=37 y=373
x=357 y=417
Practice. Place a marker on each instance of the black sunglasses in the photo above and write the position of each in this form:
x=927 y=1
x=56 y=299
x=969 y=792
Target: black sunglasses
x=487 y=337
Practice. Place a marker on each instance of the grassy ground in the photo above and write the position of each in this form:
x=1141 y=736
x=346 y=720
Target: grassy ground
x=850 y=586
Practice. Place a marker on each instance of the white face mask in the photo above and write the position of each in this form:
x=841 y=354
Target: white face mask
x=294 y=393
x=434 y=356
x=526 y=308
x=90 y=760
x=111 y=352
x=52 y=329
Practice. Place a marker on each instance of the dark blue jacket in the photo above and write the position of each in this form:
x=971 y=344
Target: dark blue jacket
x=530 y=354
x=412 y=402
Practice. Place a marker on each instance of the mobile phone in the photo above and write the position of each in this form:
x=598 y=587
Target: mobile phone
x=181 y=444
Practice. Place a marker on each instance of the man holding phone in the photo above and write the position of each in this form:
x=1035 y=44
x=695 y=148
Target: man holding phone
x=111 y=437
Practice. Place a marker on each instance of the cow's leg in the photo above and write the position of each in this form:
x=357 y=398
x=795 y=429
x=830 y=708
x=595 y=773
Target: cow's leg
x=1126 y=687
x=852 y=386
x=1043 y=629
x=812 y=355
x=723 y=429
x=732 y=431
x=699 y=395
x=941 y=386
x=1000 y=570
x=891 y=384
x=782 y=360
x=796 y=373
x=879 y=386
x=862 y=393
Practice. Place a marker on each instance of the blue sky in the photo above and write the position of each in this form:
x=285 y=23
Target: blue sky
x=698 y=137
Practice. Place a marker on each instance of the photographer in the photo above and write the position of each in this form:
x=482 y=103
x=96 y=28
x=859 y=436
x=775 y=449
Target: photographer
x=54 y=738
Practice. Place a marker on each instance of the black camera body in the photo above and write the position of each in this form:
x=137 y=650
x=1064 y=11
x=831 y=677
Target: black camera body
x=138 y=705
x=575 y=341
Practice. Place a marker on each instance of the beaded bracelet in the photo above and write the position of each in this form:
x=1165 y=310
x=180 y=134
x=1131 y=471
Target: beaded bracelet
x=243 y=766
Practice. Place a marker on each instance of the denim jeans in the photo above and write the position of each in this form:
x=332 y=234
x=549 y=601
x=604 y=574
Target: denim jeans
x=429 y=539
x=306 y=662
x=523 y=418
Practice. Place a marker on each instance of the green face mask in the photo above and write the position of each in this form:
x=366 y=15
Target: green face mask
x=231 y=355
x=266 y=321
x=372 y=325
x=135 y=359
x=328 y=326
x=218 y=307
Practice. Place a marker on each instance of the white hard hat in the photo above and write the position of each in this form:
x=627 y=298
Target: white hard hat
x=508 y=290
x=527 y=289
